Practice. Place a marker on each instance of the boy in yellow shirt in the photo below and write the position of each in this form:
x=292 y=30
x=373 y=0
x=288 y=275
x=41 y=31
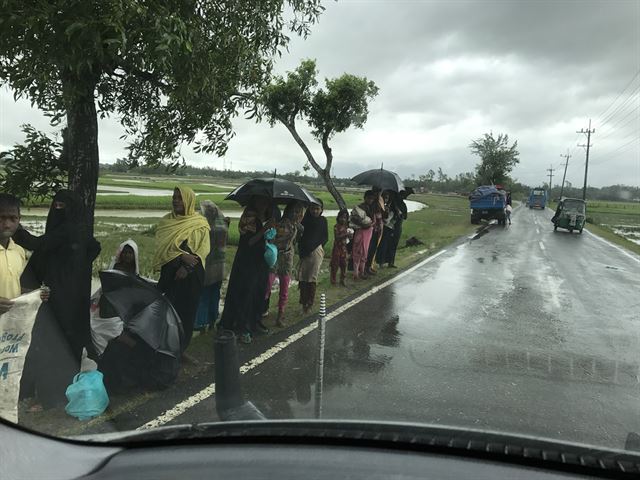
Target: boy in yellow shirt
x=12 y=256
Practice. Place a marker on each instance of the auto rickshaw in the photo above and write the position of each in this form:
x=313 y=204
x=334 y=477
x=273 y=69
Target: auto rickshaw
x=570 y=215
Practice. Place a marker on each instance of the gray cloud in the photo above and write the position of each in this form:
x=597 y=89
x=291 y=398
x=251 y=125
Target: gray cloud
x=449 y=71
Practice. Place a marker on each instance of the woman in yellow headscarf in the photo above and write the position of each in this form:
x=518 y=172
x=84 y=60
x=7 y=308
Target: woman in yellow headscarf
x=182 y=246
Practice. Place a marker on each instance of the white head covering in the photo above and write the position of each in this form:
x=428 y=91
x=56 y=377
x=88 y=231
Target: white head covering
x=116 y=258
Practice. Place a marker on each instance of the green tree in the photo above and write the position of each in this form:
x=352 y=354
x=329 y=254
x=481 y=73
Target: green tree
x=343 y=103
x=497 y=158
x=35 y=168
x=169 y=70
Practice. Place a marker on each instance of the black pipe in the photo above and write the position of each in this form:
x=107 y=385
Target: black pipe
x=230 y=403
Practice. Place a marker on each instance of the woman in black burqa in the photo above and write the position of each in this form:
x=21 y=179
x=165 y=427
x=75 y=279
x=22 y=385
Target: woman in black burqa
x=244 y=301
x=61 y=260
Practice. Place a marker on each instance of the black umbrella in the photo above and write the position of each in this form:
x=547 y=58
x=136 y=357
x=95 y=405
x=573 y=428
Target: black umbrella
x=144 y=310
x=282 y=191
x=380 y=178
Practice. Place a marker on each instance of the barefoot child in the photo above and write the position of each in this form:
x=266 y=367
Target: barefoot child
x=339 y=253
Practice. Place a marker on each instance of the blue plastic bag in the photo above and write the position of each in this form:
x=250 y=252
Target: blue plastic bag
x=87 y=396
x=270 y=250
x=271 y=255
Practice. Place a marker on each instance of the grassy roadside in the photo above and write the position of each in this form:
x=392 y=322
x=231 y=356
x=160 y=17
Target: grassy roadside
x=163 y=184
x=444 y=220
x=610 y=235
x=601 y=216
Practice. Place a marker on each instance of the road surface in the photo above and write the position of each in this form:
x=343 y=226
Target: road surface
x=520 y=330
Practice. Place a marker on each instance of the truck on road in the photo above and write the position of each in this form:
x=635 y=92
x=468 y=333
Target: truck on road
x=488 y=202
x=537 y=198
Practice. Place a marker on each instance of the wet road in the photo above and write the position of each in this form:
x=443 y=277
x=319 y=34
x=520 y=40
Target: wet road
x=521 y=330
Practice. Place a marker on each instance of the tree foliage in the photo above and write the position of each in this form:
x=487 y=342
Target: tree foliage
x=497 y=158
x=170 y=70
x=342 y=103
x=35 y=168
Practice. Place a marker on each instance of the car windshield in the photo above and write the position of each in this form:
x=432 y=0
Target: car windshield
x=278 y=210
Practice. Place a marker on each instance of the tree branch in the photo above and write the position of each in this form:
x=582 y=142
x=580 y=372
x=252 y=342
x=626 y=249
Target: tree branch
x=327 y=151
x=292 y=130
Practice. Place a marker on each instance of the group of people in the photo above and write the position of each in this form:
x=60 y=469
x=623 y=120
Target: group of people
x=61 y=260
x=71 y=324
x=252 y=277
x=377 y=226
x=364 y=238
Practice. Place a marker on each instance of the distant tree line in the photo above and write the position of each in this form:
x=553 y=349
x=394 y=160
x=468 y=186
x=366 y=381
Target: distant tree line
x=614 y=193
x=122 y=166
x=432 y=181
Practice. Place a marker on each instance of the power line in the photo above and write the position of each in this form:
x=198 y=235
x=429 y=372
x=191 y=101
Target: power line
x=619 y=119
x=613 y=131
x=629 y=134
x=620 y=94
x=622 y=107
x=621 y=147
x=614 y=153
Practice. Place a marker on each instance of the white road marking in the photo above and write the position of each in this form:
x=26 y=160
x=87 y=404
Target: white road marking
x=208 y=391
x=541 y=245
x=613 y=245
x=180 y=408
x=537 y=230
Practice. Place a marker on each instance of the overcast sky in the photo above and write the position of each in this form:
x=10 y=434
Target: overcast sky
x=449 y=72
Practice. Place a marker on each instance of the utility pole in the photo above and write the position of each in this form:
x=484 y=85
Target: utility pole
x=566 y=164
x=550 y=170
x=588 y=133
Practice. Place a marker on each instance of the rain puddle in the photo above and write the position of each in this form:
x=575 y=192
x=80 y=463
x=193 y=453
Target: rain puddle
x=124 y=213
x=630 y=232
x=142 y=192
x=37 y=225
x=118 y=213
x=411 y=207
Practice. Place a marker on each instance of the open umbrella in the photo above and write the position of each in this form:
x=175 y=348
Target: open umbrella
x=144 y=311
x=282 y=191
x=380 y=178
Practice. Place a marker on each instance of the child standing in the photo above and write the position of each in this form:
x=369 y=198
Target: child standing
x=311 y=254
x=288 y=232
x=339 y=253
x=361 y=221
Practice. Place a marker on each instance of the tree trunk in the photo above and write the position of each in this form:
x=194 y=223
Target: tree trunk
x=328 y=181
x=81 y=142
x=325 y=173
